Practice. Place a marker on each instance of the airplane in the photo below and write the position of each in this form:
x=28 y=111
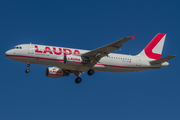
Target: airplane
x=66 y=61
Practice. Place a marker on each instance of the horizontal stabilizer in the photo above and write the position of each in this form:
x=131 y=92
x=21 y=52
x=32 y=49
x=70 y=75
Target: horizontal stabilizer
x=159 y=61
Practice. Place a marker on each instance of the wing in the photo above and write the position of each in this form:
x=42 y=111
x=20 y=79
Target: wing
x=94 y=56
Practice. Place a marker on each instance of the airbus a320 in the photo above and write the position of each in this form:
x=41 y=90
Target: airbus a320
x=66 y=61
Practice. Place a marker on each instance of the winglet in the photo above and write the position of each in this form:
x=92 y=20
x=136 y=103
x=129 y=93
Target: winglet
x=133 y=37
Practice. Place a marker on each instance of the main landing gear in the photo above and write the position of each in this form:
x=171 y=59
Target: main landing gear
x=90 y=72
x=78 y=74
x=78 y=80
x=27 y=70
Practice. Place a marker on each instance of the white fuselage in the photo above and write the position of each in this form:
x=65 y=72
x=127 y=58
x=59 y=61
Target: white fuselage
x=53 y=56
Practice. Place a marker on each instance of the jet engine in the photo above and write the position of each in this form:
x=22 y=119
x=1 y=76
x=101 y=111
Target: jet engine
x=72 y=59
x=54 y=72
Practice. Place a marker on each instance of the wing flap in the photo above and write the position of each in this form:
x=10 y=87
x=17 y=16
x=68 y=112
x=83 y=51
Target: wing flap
x=159 y=61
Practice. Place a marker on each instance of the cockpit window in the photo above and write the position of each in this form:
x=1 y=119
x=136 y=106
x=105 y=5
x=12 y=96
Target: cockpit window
x=17 y=47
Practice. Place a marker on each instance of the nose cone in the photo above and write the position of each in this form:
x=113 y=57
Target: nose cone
x=8 y=53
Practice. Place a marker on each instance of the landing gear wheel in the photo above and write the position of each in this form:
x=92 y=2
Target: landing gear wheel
x=28 y=66
x=78 y=80
x=27 y=70
x=90 y=72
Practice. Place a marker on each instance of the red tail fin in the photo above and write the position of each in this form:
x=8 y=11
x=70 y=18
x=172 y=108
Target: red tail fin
x=154 y=49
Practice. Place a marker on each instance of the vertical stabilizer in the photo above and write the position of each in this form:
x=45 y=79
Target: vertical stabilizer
x=154 y=49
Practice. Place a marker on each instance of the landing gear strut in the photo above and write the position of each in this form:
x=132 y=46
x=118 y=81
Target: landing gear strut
x=90 y=72
x=78 y=80
x=27 y=70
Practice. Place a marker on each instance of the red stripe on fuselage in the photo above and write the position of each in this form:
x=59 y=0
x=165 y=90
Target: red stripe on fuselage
x=75 y=62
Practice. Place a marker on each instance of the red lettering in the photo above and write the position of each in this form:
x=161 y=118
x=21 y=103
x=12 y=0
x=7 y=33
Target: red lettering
x=74 y=59
x=67 y=53
x=57 y=53
x=47 y=49
x=36 y=50
x=76 y=52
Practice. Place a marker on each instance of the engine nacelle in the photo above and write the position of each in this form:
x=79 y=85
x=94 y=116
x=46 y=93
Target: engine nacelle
x=54 y=72
x=73 y=59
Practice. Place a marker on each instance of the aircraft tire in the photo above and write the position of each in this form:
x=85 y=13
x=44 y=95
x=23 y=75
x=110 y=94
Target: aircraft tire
x=78 y=80
x=90 y=72
x=27 y=70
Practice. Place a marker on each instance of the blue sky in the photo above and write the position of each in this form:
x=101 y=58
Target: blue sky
x=149 y=95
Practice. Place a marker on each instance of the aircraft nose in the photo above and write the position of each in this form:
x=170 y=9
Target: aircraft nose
x=7 y=53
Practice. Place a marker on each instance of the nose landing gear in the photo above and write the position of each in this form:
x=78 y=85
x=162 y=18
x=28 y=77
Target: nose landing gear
x=27 y=70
